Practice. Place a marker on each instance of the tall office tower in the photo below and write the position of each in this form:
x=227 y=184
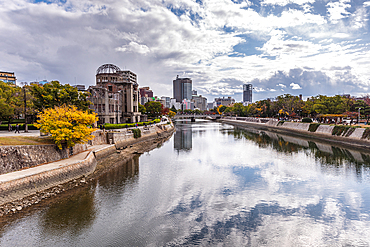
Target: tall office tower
x=247 y=93
x=182 y=89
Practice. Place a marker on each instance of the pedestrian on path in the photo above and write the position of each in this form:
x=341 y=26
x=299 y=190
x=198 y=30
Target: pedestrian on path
x=17 y=128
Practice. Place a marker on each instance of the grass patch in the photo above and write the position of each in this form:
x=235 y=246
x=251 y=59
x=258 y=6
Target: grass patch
x=24 y=140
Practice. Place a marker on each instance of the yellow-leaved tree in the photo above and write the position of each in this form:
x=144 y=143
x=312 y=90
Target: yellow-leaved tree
x=67 y=125
x=171 y=114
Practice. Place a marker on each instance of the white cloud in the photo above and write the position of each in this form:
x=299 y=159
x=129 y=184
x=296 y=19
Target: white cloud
x=219 y=44
x=295 y=86
x=337 y=10
x=134 y=47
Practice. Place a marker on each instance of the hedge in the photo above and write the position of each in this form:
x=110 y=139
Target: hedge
x=129 y=125
x=21 y=127
x=306 y=120
x=14 y=121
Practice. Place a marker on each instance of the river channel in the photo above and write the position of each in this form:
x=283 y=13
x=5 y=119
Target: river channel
x=213 y=184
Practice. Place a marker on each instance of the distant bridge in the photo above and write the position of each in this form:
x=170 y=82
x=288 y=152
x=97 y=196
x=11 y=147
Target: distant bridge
x=194 y=116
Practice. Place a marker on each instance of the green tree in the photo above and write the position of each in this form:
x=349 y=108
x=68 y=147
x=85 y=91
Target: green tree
x=142 y=109
x=237 y=109
x=55 y=94
x=222 y=108
x=10 y=101
x=153 y=108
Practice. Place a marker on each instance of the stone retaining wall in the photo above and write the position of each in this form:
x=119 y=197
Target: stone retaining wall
x=13 y=158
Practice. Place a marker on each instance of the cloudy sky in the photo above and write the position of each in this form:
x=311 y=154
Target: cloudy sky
x=306 y=47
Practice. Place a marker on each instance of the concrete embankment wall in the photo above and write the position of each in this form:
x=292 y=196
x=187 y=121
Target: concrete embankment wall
x=20 y=185
x=23 y=183
x=323 y=132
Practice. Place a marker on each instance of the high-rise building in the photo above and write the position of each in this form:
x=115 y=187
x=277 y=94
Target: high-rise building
x=182 y=89
x=247 y=92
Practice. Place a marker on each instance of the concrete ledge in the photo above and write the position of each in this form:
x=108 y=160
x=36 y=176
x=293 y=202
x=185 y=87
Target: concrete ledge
x=104 y=151
x=325 y=129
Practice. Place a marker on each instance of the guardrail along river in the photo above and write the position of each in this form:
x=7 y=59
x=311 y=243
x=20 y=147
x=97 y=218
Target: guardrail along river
x=212 y=184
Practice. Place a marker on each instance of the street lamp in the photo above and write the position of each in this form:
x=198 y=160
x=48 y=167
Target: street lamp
x=358 y=120
x=25 y=106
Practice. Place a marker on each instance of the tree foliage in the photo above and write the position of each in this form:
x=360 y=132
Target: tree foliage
x=171 y=114
x=67 y=125
x=142 y=109
x=10 y=101
x=153 y=108
x=55 y=94
x=290 y=105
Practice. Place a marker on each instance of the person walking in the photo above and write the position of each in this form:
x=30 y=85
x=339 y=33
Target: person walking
x=17 y=128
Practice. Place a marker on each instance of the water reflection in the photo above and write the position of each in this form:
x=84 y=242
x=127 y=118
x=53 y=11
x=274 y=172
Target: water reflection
x=72 y=215
x=183 y=138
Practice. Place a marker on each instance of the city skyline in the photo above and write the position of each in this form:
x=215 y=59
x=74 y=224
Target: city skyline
x=303 y=47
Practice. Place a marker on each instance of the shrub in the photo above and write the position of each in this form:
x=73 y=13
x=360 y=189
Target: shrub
x=137 y=133
x=313 y=127
x=306 y=120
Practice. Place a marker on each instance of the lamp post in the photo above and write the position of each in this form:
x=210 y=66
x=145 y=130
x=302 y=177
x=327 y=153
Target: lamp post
x=25 y=106
x=358 y=120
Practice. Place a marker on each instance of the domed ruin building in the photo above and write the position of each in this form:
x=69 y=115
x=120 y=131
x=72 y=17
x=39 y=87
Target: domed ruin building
x=115 y=97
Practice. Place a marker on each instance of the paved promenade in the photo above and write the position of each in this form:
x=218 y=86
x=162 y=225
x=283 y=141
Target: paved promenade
x=21 y=133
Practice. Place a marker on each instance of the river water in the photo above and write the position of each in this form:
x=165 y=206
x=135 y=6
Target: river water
x=212 y=184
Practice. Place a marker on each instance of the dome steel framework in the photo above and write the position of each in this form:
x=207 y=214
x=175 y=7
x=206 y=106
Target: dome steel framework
x=108 y=69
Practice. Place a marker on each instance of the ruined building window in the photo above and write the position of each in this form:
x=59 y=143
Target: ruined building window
x=110 y=88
